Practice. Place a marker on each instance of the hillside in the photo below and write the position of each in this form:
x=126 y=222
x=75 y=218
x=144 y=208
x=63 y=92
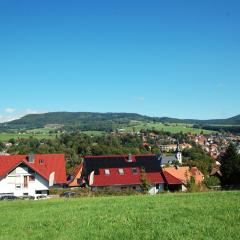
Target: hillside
x=88 y=121
x=213 y=215
x=229 y=121
x=82 y=120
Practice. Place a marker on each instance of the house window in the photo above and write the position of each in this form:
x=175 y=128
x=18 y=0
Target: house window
x=41 y=161
x=134 y=171
x=18 y=185
x=121 y=171
x=31 y=178
x=30 y=171
x=107 y=172
x=38 y=192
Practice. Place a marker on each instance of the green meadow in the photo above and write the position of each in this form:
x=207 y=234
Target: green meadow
x=170 y=127
x=7 y=136
x=213 y=215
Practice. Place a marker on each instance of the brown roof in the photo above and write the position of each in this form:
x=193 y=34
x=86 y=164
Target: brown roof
x=185 y=173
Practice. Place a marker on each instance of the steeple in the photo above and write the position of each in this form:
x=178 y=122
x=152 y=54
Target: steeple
x=178 y=153
x=178 y=148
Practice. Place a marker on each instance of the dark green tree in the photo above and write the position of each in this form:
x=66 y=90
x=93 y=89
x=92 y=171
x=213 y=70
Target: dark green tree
x=230 y=167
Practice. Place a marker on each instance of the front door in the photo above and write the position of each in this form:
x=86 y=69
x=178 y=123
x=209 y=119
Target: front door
x=25 y=182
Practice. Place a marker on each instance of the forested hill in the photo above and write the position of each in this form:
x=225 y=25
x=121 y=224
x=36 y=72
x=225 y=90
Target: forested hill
x=229 y=121
x=101 y=121
x=83 y=120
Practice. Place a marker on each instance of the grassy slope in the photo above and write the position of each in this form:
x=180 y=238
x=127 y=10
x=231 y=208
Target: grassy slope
x=39 y=133
x=7 y=136
x=173 y=128
x=167 y=216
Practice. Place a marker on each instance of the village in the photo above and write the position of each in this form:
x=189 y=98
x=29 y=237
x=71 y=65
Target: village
x=34 y=176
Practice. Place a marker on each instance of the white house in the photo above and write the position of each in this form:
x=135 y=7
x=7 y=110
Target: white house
x=31 y=175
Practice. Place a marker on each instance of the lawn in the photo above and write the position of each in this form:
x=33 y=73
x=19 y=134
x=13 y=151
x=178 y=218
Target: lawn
x=214 y=215
x=171 y=127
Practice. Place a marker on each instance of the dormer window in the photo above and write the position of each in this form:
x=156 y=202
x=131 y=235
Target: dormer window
x=41 y=161
x=121 y=171
x=134 y=171
x=31 y=178
x=31 y=158
x=107 y=171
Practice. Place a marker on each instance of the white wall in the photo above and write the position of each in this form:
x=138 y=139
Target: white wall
x=13 y=183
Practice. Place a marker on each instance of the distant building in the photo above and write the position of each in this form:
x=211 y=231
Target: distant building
x=169 y=160
x=75 y=176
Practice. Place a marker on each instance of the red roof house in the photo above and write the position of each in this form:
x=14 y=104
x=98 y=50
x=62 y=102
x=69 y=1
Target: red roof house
x=24 y=172
x=124 y=171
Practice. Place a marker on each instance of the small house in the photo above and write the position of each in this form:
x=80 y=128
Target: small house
x=31 y=175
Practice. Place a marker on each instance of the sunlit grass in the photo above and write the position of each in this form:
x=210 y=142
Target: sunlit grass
x=165 y=216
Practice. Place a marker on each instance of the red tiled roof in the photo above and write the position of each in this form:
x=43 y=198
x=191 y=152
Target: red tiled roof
x=171 y=180
x=52 y=163
x=127 y=179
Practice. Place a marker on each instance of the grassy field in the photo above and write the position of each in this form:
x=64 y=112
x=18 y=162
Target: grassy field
x=173 y=128
x=7 y=136
x=93 y=133
x=214 y=215
x=39 y=133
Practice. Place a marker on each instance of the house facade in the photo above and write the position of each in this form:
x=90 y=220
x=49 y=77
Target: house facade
x=31 y=175
x=125 y=172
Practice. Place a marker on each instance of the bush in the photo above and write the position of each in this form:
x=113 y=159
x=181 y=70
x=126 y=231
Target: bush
x=212 y=181
x=85 y=192
x=193 y=187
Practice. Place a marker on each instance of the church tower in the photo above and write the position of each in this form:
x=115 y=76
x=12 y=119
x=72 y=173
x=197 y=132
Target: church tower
x=179 y=154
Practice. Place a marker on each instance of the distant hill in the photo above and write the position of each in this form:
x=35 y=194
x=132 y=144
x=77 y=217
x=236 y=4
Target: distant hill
x=81 y=120
x=101 y=121
x=229 y=121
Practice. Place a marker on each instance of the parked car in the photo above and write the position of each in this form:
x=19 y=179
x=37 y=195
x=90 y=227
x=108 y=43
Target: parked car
x=68 y=194
x=27 y=198
x=41 y=197
x=9 y=197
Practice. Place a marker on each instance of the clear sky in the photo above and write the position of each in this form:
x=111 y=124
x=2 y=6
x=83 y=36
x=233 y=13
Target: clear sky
x=177 y=58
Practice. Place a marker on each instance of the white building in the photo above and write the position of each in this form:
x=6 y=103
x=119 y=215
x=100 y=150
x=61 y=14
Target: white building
x=31 y=175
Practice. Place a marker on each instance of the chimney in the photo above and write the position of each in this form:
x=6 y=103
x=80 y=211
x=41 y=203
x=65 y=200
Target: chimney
x=129 y=157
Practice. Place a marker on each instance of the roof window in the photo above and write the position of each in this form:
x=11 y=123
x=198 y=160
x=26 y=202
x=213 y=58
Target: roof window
x=121 y=171
x=107 y=171
x=134 y=171
x=41 y=161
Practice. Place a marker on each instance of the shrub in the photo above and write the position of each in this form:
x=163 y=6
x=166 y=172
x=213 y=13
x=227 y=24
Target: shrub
x=211 y=181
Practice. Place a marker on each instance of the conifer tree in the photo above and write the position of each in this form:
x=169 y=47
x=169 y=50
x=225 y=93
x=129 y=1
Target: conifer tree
x=230 y=167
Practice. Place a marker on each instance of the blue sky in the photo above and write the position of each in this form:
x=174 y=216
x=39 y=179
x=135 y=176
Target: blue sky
x=159 y=58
